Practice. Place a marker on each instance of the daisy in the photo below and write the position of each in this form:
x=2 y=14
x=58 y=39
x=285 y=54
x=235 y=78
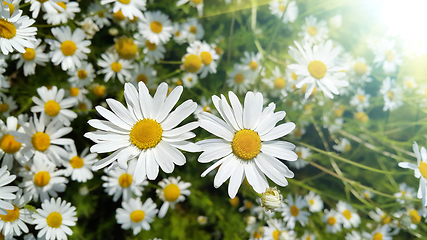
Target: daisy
x=204 y=106
x=172 y=191
x=69 y=49
x=360 y=100
x=405 y=193
x=41 y=140
x=129 y=8
x=420 y=171
x=292 y=211
x=202 y=220
x=120 y=183
x=82 y=76
x=392 y=94
x=359 y=70
x=84 y=104
x=387 y=56
x=9 y=147
x=349 y=217
x=89 y=27
x=144 y=130
x=6 y=192
x=13 y=5
x=208 y=56
x=239 y=79
x=79 y=167
x=343 y=146
x=32 y=57
x=13 y=223
x=276 y=83
x=99 y=90
x=409 y=83
x=302 y=153
x=193 y=30
x=246 y=146
x=277 y=229
x=156 y=27
x=144 y=73
x=252 y=63
x=314 y=202
x=189 y=80
x=194 y=3
x=314 y=32
x=53 y=106
x=49 y=6
x=99 y=15
x=353 y=235
x=54 y=219
x=17 y=33
x=316 y=68
x=381 y=232
x=114 y=67
x=136 y=215
x=179 y=35
x=7 y=104
x=287 y=9
x=153 y=52
x=68 y=11
x=380 y=216
x=42 y=180
x=333 y=221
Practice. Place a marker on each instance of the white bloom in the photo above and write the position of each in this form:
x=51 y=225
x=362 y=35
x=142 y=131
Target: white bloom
x=314 y=32
x=13 y=223
x=349 y=217
x=82 y=76
x=144 y=73
x=172 y=191
x=49 y=6
x=193 y=30
x=32 y=57
x=293 y=211
x=239 y=79
x=136 y=215
x=333 y=221
x=387 y=56
x=9 y=147
x=343 y=146
x=113 y=66
x=314 y=202
x=68 y=11
x=392 y=94
x=360 y=100
x=156 y=27
x=271 y=199
x=6 y=192
x=79 y=167
x=129 y=8
x=286 y=7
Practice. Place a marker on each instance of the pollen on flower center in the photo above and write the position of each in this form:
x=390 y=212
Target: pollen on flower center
x=423 y=169
x=68 y=48
x=146 y=133
x=150 y=46
x=253 y=65
x=142 y=78
x=207 y=109
x=29 y=54
x=332 y=221
x=239 y=78
x=77 y=162
x=192 y=63
x=4 y=107
x=9 y=145
x=11 y=216
x=116 y=66
x=246 y=144
x=40 y=141
x=74 y=91
x=54 y=220
x=294 y=210
x=415 y=217
x=126 y=48
x=137 y=216
x=279 y=83
x=317 y=69
x=347 y=214
x=377 y=236
x=206 y=58
x=311 y=202
x=82 y=74
x=52 y=108
x=7 y=29
x=156 y=27
x=312 y=30
x=124 y=1
x=360 y=69
x=171 y=192
x=193 y=30
x=41 y=178
x=125 y=180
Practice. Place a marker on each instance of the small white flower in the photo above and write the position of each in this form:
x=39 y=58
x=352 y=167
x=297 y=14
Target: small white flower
x=392 y=94
x=333 y=221
x=313 y=31
x=172 y=191
x=113 y=66
x=349 y=217
x=293 y=211
x=135 y=215
x=271 y=199
x=32 y=57
x=314 y=202
x=343 y=146
x=156 y=27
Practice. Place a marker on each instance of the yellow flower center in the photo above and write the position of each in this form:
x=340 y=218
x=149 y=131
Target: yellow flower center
x=68 y=48
x=294 y=76
x=317 y=69
x=207 y=109
x=124 y=1
x=390 y=95
x=101 y=14
x=298 y=133
x=389 y=55
x=41 y=178
x=11 y=7
x=99 y=90
x=11 y=216
x=246 y=144
x=146 y=133
x=172 y=192
x=179 y=82
x=150 y=46
x=347 y=214
x=312 y=30
x=218 y=50
x=234 y=201
x=197 y=1
x=137 y=216
x=239 y=78
x=423 y=169
x=119 y=15
x=77 y=162
x=125 y=180
x=385 y=219
x=54 y=220
x=63 y=5
x=332 y=221
x=409 y=84
x=29 y=54
x=253 y=65
x=4 y=107
x=361 y=98
x=282 y=8
x=347 y=147
x=82 y=74
x=361 y=116
x=248 y=204
x=52 y=108
x=177 y=33
x=7 y=29
x=360 y=69
x=279 y=83
x=82 y=106
x=156 y=27
x=377 y=236
x=192 y=63
x=9 y=145
x=276 y=234
x=311 y=202
x=116 y=66
x=74 y=91
x=40 y=141
x=193 y=29
x=126 y=48
x=294 y=210
x=142 y=78
x=299 y=154
x=206 y=58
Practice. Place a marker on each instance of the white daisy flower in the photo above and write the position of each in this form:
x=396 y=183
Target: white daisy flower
x=353 y=235
x=405 y=193
x=136 y=215
x=114 y=67
x=387 y=56
x=79 y=167
x=17 y=33
x=409 y=83
x=359 y=70
x=42 y=180
x=202 y=220
x=42 y=141
x=84 y=104
x=120 y=183
x=129 y=8
x=392 y=94
x=49 y=6
x=54 y=219
x=293 y=211
x=380 y=216
x=302 y=153
x=32 y=57
x=156 y=27
x=89 y=27
x=6 y=192
x=179 y=35
x=314 y=202
x=381 y=232
x=13 y=5
x=194 y=3
x=333 y=221
x=349 y=217
x=9 y=147
x=316 y=67
x=189 y=80
x=99 y=15
x=13 y=223
x=239 y=79
x=360 y=100
x=208 y=56
x=314 y=32
x=277 y=229
x=193 y=30
x=153 y=52
x=286 y=7
x=246 y=146
x=343 y=146
x=252 y=63
x=68 y=11
x=82 y=76
x=144 y=130
x=172 y=191
x=7 y=105
x=276 y=83
x=53 y=106
x=420 y=171
x=144 y=73
x=69 y=49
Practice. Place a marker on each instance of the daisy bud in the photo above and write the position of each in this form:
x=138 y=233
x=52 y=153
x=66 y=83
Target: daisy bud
x=113 y=31
x=251 y=220
x=271 y=199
